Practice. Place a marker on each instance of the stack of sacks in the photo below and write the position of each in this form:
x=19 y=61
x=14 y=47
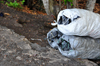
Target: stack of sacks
x=77 y=34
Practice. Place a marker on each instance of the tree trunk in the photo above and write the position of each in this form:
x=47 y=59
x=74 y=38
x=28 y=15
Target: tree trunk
x=68 y=5
x=75 y=3
x=46 y=6
x=90 y=5
x=50 y=7
x=59 y=4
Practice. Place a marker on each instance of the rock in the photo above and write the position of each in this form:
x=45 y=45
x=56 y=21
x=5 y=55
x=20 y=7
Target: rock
x=37 y=47
x=18 y=58
x=30 y=52
x=17 y=24
x=23 y=45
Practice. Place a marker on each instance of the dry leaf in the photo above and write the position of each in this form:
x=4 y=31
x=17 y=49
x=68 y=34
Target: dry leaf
x=6 y=14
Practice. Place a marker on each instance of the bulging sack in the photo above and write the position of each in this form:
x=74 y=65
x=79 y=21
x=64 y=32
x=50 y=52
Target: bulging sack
x=74 y=46
x=53 y=37
x=78 y=22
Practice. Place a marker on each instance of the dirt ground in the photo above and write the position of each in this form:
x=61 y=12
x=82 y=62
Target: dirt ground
x=33 y=27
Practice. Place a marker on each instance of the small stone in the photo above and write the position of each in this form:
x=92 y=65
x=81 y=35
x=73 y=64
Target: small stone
x=17 y=24
x=23 y=45
x=30 y=52
x=18 y=58
x=37 y=47
x=43 y=63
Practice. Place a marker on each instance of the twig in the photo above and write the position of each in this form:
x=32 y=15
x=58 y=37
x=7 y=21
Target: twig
x=36 y=39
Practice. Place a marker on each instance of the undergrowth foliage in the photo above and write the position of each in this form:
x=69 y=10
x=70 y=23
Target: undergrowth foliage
x=71 y=1
x=14 y=4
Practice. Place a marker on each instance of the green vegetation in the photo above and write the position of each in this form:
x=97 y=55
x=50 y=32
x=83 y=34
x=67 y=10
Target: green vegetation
x=1 y=1
x=14 y=4
x=71 y=1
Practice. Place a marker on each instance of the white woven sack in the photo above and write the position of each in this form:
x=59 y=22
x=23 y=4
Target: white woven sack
x=78 y=22
x=82 y=47
x=74 y=46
